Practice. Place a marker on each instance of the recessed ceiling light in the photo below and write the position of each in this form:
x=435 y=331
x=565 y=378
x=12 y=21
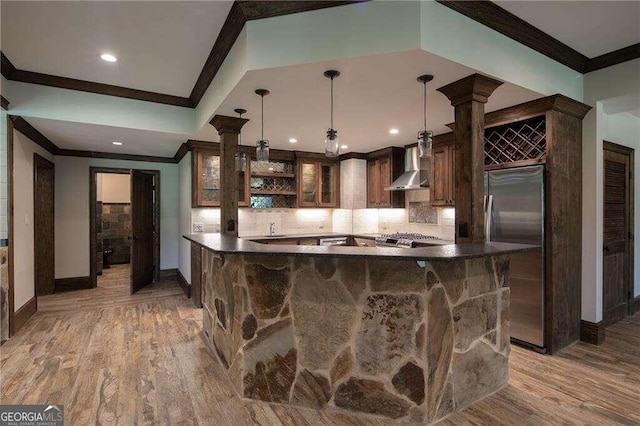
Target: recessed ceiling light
x=270 y=169
x=293 y=140
x=344 y=146
x=108 y=57
x=394 y=131
x=116 y=143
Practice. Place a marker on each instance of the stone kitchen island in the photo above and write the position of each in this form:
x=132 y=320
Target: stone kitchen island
x=404 y=333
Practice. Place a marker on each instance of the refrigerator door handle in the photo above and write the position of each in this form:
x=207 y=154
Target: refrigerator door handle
x=488 y=209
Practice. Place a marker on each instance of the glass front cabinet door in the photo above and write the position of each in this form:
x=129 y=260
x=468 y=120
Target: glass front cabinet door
x=318 y=183
x=206 y=180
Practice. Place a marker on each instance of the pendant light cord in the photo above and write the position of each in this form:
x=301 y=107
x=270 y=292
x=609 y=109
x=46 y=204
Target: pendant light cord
x=425 y=106
x=240 y=132
x=331 y=102
x=262 y=107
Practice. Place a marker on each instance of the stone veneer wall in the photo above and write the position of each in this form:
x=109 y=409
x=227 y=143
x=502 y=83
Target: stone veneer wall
x=385 y=337
x=99 y=236
x=116 y=231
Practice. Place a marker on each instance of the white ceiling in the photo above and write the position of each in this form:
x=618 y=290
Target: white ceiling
x=592 y=28
x=161 y=46
x=91 y=137
x=372 y=95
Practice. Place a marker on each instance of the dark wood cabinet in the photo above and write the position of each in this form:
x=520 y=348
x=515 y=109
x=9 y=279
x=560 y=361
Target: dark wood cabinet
x=383 y=167
x=442 y=171
x=205 y=188
x=318 y=183
x=196 y=274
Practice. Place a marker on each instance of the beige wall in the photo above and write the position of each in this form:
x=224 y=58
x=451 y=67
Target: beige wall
x=72 y=212
x=23 y=150
x=116 y=188
x=611 y=92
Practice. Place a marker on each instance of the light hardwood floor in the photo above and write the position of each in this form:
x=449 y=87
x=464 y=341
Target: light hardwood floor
x=114 y=358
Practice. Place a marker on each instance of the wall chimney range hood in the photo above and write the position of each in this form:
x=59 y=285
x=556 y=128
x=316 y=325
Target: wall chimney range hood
x=414 y=176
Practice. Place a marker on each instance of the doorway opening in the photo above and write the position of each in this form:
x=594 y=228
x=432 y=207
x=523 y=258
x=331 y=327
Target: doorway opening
x=124 y=226
x=617 y=250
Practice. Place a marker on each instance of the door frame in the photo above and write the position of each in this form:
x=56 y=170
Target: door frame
x=39 y=160
x=93 y=180
x=11 y=224
x=624 y=150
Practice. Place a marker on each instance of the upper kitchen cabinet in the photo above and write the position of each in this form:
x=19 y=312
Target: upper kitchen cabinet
x=205 y=186
x=318 y=182
x=383 y=167
x=442 y=175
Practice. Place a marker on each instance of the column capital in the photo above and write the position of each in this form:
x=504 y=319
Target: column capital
x=476 y=87
x=226 y=124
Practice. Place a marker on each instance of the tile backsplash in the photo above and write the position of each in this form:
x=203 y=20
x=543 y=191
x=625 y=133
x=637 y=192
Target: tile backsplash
x=257 y=221
x=306 y=221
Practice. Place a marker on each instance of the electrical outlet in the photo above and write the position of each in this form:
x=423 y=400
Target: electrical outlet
x=198 y=227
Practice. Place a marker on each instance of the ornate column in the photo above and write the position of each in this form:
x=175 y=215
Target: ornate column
x=228 y=128
x=468 y=97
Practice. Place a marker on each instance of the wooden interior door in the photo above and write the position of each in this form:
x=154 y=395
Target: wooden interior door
x=617 y=241
x=142 y=229
x=43 y=226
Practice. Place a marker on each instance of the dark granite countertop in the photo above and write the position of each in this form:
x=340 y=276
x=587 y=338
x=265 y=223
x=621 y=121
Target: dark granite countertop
x=230 y=245
x=292 y=236
x=336 y=234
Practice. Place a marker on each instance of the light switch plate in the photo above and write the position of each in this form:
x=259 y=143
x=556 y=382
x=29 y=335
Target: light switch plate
x=198 y=227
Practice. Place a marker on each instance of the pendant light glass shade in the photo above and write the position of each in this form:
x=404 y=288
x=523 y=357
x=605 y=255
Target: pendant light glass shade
x=262 y=146
x=332 y=142
x=241 y=161
x=425 y=143
x=241 y=157
x=262 y=150
x=425 y=137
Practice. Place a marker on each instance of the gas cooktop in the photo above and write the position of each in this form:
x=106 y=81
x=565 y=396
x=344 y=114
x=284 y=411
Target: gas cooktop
x=402 y=239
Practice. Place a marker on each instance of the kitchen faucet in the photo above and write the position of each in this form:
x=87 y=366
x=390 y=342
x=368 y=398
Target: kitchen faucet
x=272 y=229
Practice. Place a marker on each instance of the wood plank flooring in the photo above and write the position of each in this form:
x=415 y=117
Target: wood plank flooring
x=112 y=358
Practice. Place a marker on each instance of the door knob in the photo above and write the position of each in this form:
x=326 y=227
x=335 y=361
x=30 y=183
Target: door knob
x=606 y=248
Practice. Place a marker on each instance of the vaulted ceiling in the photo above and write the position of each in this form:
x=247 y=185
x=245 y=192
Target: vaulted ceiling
x=163 y=46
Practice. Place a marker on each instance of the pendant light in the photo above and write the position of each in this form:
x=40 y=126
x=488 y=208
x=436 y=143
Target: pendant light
x=262 y=146
x=331 y=143
x=241 y=157
x=425 y=137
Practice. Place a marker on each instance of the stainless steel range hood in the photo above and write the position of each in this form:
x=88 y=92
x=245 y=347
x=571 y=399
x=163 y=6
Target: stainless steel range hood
x=415 y=176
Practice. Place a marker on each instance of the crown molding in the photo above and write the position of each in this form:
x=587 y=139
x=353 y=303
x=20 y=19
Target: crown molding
x=113 y=156
x=493 y=16
x=10 y=72
x=23 y=126
x=241 y=12
x=616 y=57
